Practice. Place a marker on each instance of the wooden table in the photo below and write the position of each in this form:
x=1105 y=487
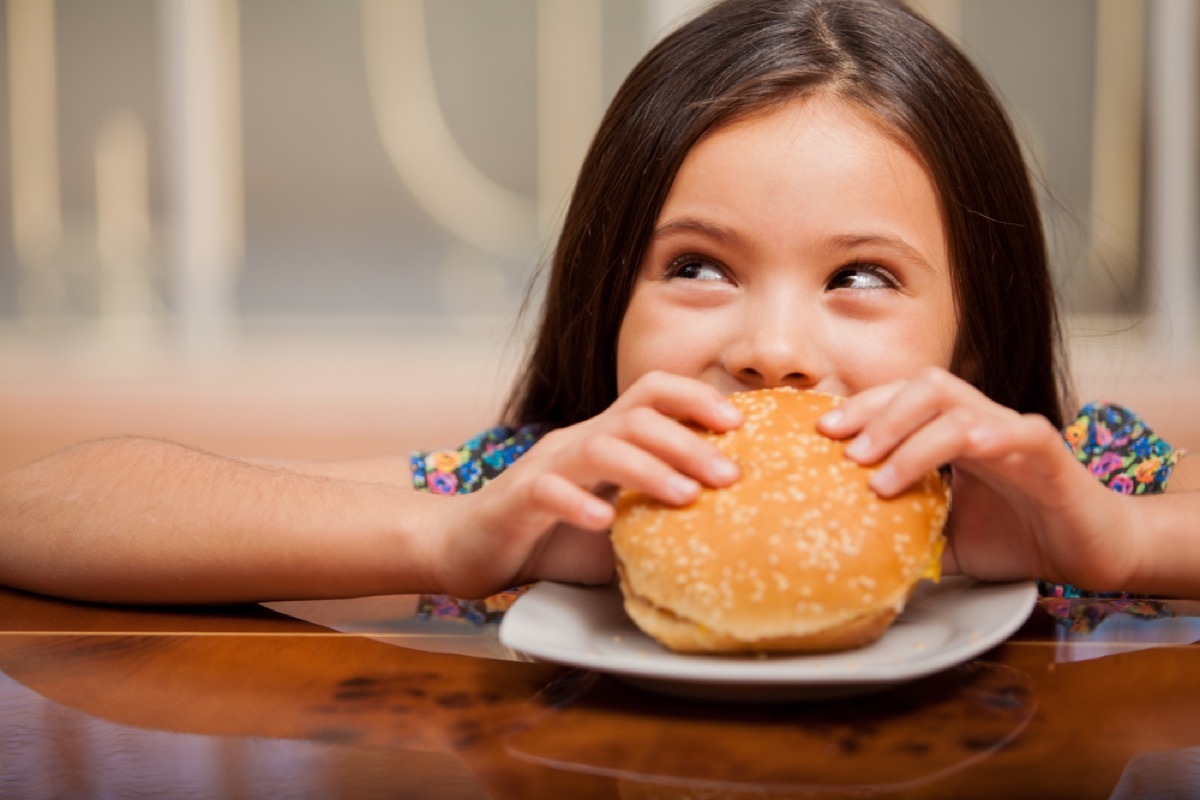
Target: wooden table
x=381 y=697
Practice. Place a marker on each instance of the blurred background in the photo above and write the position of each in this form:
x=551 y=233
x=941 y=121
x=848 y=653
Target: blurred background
x=306 y=228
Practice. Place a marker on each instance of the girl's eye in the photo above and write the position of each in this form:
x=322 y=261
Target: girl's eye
x=863 y=276
x=695 y=268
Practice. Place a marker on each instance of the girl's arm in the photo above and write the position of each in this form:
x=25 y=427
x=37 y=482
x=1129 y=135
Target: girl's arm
x=1185 y=477
x=394 y=470
x=1168 y=531
x=138 y=520
x=134 y=520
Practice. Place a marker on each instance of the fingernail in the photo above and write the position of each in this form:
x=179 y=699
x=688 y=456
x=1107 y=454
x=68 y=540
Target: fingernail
x=729 y=413
x=723 y=470
x=884 y=481
x=832 y=419
x=597 y=510
x=682 y=489
x=859 y=448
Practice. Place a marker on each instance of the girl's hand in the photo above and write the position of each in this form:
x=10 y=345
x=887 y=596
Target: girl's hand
x=544 y=517
x=1022 y=506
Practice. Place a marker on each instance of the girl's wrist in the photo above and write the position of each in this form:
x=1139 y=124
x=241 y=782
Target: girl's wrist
x=1130 y=557
x=1124 y=548
x=419 y=530
x=448 y=542
x=1108 y=552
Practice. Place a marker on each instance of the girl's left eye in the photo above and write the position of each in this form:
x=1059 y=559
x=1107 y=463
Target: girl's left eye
x=863 y=276
x=695 y=268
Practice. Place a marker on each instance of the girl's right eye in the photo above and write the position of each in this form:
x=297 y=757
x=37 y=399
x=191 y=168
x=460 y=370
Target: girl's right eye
x=695 y=267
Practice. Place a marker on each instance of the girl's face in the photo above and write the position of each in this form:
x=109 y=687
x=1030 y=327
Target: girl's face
x=804 y=247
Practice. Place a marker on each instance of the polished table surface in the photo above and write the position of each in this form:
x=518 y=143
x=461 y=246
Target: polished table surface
x=416 y=697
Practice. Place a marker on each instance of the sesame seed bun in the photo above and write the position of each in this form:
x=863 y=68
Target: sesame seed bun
x=798 y=555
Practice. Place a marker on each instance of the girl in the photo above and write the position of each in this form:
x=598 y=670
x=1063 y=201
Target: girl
x=817 y=193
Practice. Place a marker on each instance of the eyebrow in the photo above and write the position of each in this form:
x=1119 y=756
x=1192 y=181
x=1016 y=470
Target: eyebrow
x=907 y=251
x=844 y=241
x=690 y=225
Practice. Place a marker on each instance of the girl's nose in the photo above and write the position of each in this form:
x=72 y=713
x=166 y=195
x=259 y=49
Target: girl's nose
x=775 y=350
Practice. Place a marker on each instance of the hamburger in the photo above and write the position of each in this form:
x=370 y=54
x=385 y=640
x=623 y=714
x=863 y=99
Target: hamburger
x=798 y=555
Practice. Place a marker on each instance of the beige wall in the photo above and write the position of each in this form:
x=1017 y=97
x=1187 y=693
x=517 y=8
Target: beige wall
x=345 y=283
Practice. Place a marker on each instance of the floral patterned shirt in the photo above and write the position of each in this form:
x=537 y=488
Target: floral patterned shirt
x=1120 y=450
x=1112 y=442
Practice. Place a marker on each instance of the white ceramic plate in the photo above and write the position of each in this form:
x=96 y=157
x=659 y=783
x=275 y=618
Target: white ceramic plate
x=943 y=625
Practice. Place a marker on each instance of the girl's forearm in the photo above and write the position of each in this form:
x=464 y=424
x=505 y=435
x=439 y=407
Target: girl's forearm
x=1167 y=531
x=1167 y=536
x=130 y=520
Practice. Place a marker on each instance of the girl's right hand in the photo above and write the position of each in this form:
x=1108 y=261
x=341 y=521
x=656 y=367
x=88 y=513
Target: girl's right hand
x=544 y=517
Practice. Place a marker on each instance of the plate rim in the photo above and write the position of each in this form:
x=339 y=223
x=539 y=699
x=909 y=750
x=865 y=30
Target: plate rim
x=1018 y=599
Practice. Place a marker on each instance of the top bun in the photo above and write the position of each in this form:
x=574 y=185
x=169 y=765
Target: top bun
x=798 y=555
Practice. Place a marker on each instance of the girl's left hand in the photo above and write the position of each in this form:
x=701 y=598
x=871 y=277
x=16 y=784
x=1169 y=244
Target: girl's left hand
x=1022 y=506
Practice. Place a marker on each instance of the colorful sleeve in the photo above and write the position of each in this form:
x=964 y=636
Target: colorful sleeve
x=468 y=468
x=1124 y=454
x=1120 y=450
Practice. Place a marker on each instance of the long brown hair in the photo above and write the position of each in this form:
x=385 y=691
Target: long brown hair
x=742 y=56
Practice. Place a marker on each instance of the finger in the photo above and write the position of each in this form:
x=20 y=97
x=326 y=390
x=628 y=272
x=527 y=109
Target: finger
x=682 y=398
x=609 y=459
x=1026 y=450
x=565 y=501
x=1021 y=450
x=916 y=404
x=677 y=445
x=855 y=412
x=942 y=441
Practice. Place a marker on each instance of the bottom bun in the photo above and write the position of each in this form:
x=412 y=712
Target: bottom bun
x=800 y=554
x=685 y=636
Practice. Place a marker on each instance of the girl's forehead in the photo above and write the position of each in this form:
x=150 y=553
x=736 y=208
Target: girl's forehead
x=816 y=160
x=826 y=111
x=805 y=139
